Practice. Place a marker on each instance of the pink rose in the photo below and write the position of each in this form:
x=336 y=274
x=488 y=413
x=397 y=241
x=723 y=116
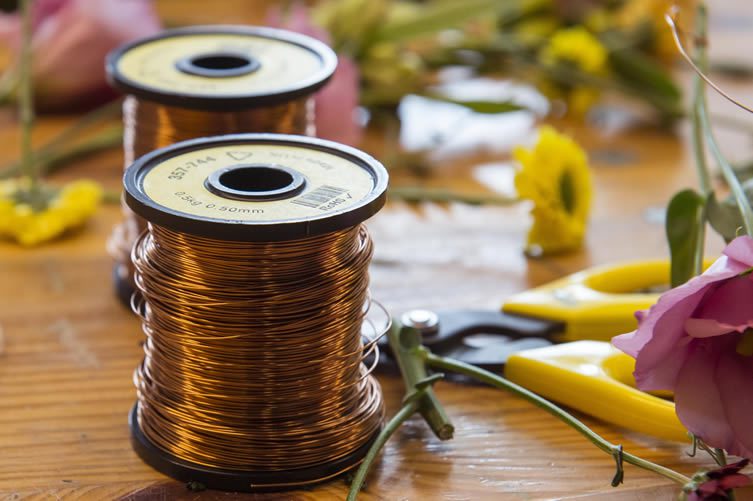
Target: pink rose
x=695 y=341
x=337 y=102
x=70 y=41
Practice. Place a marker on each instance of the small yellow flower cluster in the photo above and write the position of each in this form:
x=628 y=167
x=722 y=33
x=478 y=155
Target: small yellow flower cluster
x=555 y=176
x=68 y=208
x=578 y=47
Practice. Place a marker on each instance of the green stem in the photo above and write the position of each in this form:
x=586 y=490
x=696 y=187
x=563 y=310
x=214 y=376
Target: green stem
x=699 y=152
x=439 y=195
x=107 y=112
x=728 y=171
x=406 y=411
x=499 y=382
x=26 y=104
x=105 y=140
x=48 y=159
x=403 y=342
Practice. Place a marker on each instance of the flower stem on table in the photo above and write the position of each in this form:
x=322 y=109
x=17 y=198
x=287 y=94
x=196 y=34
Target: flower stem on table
x=492 y=379
x=419 y=398
x=404 y=341
x=64 y=148
x=406 y=411
x=440 y=195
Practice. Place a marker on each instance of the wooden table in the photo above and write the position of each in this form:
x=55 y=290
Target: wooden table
x=68 y=348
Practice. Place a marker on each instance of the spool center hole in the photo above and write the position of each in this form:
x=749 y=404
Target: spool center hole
x=255 y=179
x=220 y=61
x=218 y=64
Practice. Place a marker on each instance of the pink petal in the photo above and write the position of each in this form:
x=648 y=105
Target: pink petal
x=697 y=396
x=731 y=303
x=640 y=315
x=706 y=327
x=655 y=343
x=734 y=481
x=741 y=250
x=336 y=105
x=709 y=487
x=70 y=46
x=10 y=30
x=734 y=378
x=43 y=9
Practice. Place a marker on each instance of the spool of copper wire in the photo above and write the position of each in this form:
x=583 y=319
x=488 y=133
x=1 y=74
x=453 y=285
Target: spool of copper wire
x=205 y=81
x=253 y=274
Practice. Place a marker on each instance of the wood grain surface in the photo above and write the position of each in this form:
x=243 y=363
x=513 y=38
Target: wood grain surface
x=68 y=348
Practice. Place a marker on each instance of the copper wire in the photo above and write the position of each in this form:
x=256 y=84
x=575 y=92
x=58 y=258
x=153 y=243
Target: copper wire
x=254 y=351
x=149 y=126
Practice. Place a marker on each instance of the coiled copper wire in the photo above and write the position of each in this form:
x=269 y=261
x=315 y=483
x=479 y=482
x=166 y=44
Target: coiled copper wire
x=149 y=126
x=254 y=350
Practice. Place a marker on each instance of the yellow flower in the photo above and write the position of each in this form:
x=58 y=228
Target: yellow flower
x=68 y=208
x=576 y=46
x=536 y=30
x=554 y=175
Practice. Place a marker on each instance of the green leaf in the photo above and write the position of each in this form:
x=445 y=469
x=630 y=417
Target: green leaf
x=435 y=17
x=646 y=78
x=643 y=72
x=685 y=231
x=486 y=107
x=724 y=216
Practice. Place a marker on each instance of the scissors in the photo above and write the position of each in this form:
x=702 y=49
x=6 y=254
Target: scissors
x=553 y=340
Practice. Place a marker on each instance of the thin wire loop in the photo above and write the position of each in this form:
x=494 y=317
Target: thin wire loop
x=671 y=18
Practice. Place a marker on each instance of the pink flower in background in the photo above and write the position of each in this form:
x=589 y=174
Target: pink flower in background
x=71 y=39
x=336 y=105
x=337 y=102
x=697 y=341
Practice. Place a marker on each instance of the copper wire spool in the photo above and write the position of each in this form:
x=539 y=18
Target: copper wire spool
x=205 y=81
x=253 y=277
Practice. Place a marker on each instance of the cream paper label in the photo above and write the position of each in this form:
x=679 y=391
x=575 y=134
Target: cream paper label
x=283 y=64
x=333 y=184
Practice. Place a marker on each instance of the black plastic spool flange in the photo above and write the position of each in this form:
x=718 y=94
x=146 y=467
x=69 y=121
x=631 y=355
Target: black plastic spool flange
x=270 y=231
x=239 y=481
x=220 y=102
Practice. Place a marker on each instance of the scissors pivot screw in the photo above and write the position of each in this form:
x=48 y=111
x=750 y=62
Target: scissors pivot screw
x=424 y=320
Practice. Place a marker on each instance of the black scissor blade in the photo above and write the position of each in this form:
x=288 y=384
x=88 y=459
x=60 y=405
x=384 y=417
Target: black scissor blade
x=456 y=325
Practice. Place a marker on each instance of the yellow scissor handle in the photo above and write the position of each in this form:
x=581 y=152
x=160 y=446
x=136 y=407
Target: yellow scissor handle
x=591 y=376
x=597 y=303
